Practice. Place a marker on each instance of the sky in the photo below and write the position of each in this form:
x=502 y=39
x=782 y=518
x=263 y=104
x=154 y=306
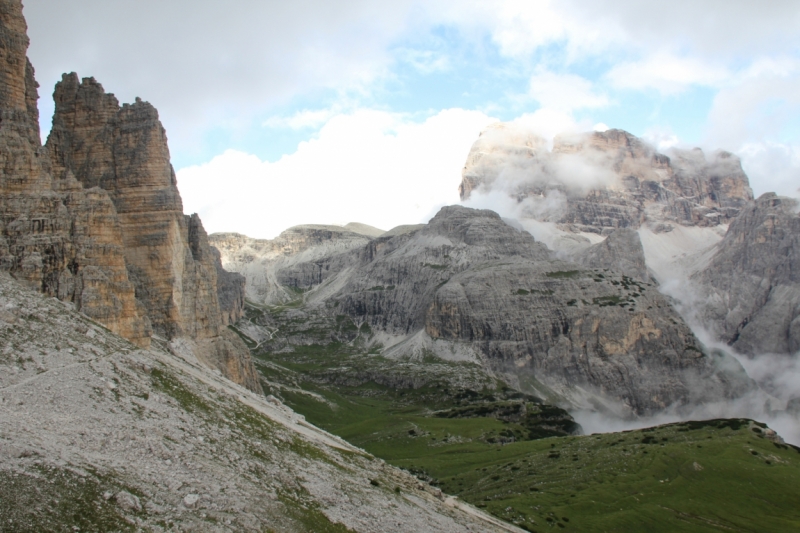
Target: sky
x=312 y=111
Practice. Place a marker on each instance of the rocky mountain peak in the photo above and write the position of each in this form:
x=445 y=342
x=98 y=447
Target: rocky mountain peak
x=751 y=286
x=109 y=233
x=600 y=181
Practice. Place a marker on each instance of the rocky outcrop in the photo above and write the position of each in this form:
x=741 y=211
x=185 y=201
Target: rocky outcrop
x=230 y=291
x=750 y=288
x=621 y=252
x=599 y=182
x=262 y=261
x=57 y=237
x=123 y=151
x=469 y=283
x=95 y=218
x=142 y=437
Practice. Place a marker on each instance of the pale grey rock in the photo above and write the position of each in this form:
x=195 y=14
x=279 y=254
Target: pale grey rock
x=751 y=285
x=166 y=408
x=621 y=252
x=190 y=500
x=364 y=229
x=470 y=281
x=261 y=261
x=127 y=501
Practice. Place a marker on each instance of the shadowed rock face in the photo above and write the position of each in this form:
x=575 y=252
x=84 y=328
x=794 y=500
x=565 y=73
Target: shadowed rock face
x=472 y=282
x=621 y=252
x=96 y=218
x=598 y=182
x=752 y=283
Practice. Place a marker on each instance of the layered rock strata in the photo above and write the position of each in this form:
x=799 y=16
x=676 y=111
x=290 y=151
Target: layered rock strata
x=57 y=237
x=750 y=287
x=95 y=218
x=469 y=283
x=123 y=150
x=601 y=181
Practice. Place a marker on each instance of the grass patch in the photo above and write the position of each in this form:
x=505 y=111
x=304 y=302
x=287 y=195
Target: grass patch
x=171 y=386
x=564 y=274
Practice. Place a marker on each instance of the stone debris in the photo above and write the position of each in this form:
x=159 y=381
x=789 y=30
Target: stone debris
x=127 y=501
x=176 y=443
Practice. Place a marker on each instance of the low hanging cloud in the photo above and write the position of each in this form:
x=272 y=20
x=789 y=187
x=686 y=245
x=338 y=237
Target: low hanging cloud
x=367 y=166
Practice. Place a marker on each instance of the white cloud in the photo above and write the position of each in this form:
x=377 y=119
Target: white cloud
x=667 y=73
x=772 y=167
x=547 y=123
x=757 y=105
x=564 y=92
x=368 y=166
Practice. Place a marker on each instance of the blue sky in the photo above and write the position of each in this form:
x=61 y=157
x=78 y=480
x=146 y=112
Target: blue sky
x=329 y=112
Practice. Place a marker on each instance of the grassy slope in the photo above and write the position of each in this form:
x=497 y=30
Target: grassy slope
x=689 y=477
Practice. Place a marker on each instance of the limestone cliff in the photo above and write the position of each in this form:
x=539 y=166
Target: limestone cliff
x=469 y=284
x=601 y=181
x=95 y=218
x=261 y=261
x=621 y=252
x=57 y=237
x=750 y=288
x=123 y=150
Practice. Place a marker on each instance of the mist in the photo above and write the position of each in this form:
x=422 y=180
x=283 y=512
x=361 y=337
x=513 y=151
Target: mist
x=522 y=178
x=777 y=379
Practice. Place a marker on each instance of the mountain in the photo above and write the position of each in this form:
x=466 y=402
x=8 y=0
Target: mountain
x=95 y=217
x=469 y=287
x=261 y=260
x=750 y=282
x=97 y=434
x=728 y=258
x=600 y=181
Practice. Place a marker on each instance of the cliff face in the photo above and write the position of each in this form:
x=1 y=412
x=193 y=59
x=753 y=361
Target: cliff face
x=123 y=150
x=469 y=283
x=176 y=273
x=57 y=237
x=95 y=218
x=751 y=285
x=599 y=182
x=263 y=261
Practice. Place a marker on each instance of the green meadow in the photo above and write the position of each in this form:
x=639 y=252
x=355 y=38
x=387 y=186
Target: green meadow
x=517 y=457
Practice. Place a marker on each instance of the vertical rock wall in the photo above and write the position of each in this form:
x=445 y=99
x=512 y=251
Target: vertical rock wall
x=55 y=236
x=95 y=218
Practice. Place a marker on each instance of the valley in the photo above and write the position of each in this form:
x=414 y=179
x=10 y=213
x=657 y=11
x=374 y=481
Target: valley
x=468 y=434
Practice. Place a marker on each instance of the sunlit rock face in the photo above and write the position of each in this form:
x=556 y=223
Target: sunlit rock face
x=751 y=285
x=57 y=237
x=598 y=182
x=95 y=217
x=123 y=151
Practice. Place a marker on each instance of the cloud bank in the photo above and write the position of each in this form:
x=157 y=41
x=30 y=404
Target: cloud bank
x=367 y=166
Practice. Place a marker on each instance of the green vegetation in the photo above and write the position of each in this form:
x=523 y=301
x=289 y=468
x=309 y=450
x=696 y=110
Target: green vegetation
x=59 y=500
x=171 y=386
x=562 y=274
x=514 y=455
